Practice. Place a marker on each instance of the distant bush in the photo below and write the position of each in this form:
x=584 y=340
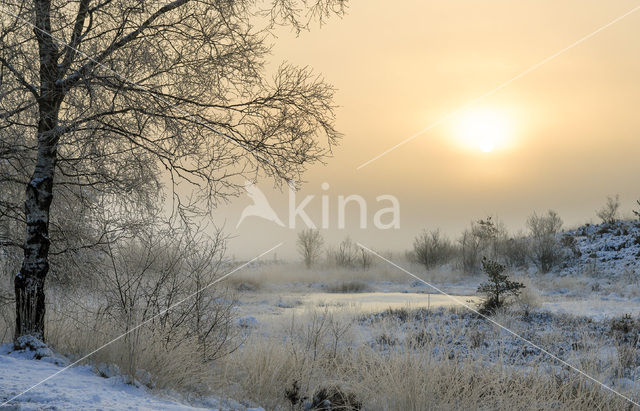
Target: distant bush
x=497 y=288
x=483 y=239
x=545 y=248
x=310 y=243
x=609 y=212
x=350 y=255
x=515 y=252
x=346 y=255
x=432 y=249
x=349 y=287
x=470 y=247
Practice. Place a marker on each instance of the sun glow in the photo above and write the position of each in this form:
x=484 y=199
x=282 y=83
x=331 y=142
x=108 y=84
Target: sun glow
x=483 y=130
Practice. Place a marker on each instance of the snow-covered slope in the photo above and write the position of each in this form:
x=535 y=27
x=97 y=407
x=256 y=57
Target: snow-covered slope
x=605 y=249
x=77 y=388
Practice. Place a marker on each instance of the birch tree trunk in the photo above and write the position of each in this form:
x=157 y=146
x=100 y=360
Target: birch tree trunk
x=29 y=282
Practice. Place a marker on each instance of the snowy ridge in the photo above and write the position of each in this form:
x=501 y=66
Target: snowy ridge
x=604 y=249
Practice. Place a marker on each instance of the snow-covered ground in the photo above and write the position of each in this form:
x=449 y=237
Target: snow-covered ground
x=77 y=388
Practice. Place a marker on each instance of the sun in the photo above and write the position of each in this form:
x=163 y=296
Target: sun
x=484 y=130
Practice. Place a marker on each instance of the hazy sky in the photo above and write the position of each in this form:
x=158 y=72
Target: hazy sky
x=566 y=134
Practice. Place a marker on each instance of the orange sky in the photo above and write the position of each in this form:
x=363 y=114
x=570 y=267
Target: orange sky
x=574 y=122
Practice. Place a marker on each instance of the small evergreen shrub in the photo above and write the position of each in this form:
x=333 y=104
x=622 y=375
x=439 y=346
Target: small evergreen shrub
x=497 y=288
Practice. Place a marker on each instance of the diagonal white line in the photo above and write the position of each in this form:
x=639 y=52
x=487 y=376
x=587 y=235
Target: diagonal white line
x=555 y=357
x=500 y=87
x=143 y=323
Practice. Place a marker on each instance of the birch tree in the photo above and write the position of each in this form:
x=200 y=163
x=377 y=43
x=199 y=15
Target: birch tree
x=117 y=105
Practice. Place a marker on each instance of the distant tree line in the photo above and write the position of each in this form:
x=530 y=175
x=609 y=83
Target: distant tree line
x=543 y=245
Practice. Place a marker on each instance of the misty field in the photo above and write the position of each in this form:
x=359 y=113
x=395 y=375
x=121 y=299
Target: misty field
x=282 y=335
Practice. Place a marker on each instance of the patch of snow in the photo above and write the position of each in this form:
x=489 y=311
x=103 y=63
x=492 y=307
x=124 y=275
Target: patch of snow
x=77 y=387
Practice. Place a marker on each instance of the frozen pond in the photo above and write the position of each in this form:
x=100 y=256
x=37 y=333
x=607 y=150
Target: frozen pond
x=274 y=305
x=380 y=301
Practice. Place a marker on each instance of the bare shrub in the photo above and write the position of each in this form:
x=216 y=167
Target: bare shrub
x=609 y=212
x=365 y=259
x=401 y=314
x=471 y=248
x=545 y=248
x=347 y=254
x=515 y=252
x=161 y=279
x=483 y=239
x=310 y=243
x=432 y=249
